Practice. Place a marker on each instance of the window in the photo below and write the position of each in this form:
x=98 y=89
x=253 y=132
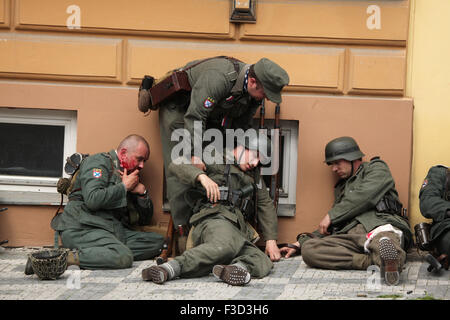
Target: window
x=287 y=173
x=35 y=144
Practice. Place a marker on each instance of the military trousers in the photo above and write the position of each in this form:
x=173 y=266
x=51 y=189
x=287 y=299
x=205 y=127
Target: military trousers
x=101 y=249
x=346 y=251
x=217 y=240
x=171 y=117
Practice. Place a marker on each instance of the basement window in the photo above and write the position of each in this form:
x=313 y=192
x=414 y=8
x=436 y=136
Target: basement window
x=287 y=173
x=35 y=144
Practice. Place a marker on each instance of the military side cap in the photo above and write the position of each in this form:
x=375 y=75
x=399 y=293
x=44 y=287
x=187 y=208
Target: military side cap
x=272 y=77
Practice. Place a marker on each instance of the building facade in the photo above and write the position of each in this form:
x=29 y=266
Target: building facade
x=77 y=66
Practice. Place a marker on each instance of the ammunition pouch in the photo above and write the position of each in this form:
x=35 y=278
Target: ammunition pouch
x=422 y=232
x=172 y=83
x=176 y=82
x=389 y=205
x=241 y=199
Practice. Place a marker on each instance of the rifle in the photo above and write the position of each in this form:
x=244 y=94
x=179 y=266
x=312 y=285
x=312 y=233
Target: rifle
x=262 y=113
x=274 y=188
x=168 y=244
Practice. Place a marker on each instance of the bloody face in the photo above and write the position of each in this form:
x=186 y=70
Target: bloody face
x=133 y=159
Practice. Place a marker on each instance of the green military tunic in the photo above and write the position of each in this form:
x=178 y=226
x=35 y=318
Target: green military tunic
x=217 y=100
x=352 y=216
x=435 y=205
x=221 y=234
x=98 y=218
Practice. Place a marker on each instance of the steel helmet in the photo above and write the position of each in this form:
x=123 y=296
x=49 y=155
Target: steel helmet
x=259 y=142
x=49 y=264
x=342 y=148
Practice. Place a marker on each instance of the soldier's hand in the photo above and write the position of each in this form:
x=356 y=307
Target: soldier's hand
x=198 y=163
x=324 y=225
x=289 y=251
x=139 y=189
x=212 y=188
x=272 y=250
x=130 y=180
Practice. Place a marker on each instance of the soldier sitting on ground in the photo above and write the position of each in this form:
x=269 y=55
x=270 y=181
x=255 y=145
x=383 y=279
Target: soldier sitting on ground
x=364 y=226
x=222 y=238
x=106 y=201
x=434 y=199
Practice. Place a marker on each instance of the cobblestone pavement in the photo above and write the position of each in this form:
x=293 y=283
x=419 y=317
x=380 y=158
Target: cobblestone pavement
x=290 y=279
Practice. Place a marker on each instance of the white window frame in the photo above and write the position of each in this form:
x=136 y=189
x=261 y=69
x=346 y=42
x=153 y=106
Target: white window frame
x=287 y=200
x=288 y=190
x=27 y=190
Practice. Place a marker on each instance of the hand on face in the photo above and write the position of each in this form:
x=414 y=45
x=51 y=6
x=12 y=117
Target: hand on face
x=130 y=180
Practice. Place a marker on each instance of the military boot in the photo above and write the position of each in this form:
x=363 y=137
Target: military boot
x=234 y=274
x=390 y=259
x=162 y=273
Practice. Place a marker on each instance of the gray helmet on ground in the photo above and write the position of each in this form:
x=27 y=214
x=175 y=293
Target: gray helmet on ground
x=49 y=264
x=342 y=148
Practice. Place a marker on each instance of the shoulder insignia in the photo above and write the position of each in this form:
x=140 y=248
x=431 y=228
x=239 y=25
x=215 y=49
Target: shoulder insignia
x=424 y=184
x=97 y=173
x=209 y=102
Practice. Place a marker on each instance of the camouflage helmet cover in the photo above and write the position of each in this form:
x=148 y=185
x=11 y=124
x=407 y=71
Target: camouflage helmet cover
x=49 y=264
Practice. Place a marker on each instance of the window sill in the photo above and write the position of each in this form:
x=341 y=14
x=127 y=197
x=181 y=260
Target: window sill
x=30 y=195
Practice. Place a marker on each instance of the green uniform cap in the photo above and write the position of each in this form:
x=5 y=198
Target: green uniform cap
x=272 y=77
x=342 y=148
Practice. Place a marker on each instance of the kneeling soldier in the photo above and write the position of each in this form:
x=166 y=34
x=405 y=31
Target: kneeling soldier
x=222 y=236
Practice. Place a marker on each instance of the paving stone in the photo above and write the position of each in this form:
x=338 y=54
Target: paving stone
x=290 y=279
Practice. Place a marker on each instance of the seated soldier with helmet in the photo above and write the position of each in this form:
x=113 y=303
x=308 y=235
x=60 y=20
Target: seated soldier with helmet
x=106 y=201
x=364 y=226
x=222 y=238
x=434 y=199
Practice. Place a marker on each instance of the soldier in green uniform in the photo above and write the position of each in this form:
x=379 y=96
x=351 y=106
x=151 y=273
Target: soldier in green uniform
x=434 y=199
x=106 y=201
x=225 y=95
x=222 y=238
x=364 y=226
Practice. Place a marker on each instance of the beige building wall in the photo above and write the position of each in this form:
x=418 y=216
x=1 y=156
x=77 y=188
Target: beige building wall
x=346 y=61
x=428 y=82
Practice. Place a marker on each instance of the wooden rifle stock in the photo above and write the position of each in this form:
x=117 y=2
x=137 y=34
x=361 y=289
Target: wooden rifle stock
x=168 y=244
x=274 y=188
x=262 y=113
